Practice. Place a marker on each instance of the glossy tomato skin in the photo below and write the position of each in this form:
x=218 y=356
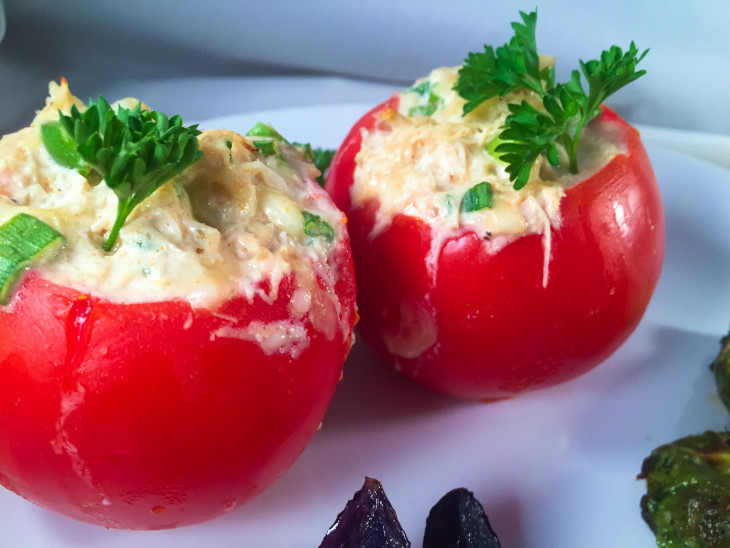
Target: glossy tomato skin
x=480 y=324
x=155 y=415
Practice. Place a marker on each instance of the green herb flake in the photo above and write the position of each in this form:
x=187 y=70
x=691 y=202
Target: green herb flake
x=431 y=101
x=23 y=240
x=316 y=227
x=477 y=197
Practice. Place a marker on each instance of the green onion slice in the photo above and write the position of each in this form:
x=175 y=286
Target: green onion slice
x=23 y=240
x=317 y=227
x=267 y=145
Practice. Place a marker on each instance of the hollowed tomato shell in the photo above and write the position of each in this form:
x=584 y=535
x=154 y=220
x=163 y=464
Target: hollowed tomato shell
x=490 y=326
x=156 y=415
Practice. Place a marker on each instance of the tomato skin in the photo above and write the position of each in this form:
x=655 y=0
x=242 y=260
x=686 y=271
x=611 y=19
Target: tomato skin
x=480 y=324
x=147 y=416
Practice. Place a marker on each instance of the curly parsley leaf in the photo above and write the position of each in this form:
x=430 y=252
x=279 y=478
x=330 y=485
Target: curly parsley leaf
x=322 y=160
x=134 y=151
x=567 y=108
x=513 y=66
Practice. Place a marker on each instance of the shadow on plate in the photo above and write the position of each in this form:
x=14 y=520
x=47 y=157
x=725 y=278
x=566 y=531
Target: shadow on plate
x=371 y=392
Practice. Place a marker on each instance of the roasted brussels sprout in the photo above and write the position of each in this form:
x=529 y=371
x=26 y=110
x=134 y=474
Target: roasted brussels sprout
x=688 y=492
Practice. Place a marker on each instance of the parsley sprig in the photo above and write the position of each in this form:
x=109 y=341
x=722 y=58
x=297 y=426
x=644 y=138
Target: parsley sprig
x=567 y=108
x=134 y=151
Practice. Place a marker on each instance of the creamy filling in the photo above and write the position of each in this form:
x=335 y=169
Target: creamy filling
x=430 y=156
x=230 y=224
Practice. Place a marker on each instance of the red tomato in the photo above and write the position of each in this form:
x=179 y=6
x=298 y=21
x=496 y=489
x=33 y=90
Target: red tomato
x=483 y=326
x=146 y=416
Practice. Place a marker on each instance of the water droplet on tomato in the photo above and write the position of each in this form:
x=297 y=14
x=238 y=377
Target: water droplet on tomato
x=157 y=510
x=229 y=505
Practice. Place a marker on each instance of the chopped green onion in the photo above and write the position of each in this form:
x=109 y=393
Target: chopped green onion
x=477 y=197
x=268 y=145
x=422 y=89
x=23 y=240
x=423 y=110
x=425 y=91
x=267 y=148
x=265 y=130
x=317 y=227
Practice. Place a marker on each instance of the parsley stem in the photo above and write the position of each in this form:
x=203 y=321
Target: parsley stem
x=124 y=208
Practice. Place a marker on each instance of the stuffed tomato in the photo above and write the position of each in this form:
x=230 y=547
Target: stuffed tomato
x=471 y=285
x=174 y=377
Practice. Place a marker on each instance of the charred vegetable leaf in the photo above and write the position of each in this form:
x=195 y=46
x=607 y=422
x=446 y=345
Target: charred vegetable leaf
x=458 y=520
x=23 y=240
x=688 y=491
x=368 y=521
x=721 y=369
x=317 y=227
x=134 y=151
x=477 y=197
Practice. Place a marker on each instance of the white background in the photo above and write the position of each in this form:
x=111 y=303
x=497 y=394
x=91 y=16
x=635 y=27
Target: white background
x=216 y=57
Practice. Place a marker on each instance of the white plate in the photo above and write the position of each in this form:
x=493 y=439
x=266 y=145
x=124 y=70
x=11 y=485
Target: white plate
x=553 y=468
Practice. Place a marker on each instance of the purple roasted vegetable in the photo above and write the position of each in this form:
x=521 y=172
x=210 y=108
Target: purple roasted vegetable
x=368 y=521
x=458 y=521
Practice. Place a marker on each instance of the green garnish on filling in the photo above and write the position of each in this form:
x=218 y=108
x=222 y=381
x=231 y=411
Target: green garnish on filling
x=477 y=197
x=317 y=227
x=320 y=157
x=567 y=108
x=430 y=100
x=23 y=240
x=134 y=151
x=269 y=144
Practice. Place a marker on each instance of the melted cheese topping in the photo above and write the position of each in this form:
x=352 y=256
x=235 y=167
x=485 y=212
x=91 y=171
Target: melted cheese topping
x=230 y=224
x=423 y=165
